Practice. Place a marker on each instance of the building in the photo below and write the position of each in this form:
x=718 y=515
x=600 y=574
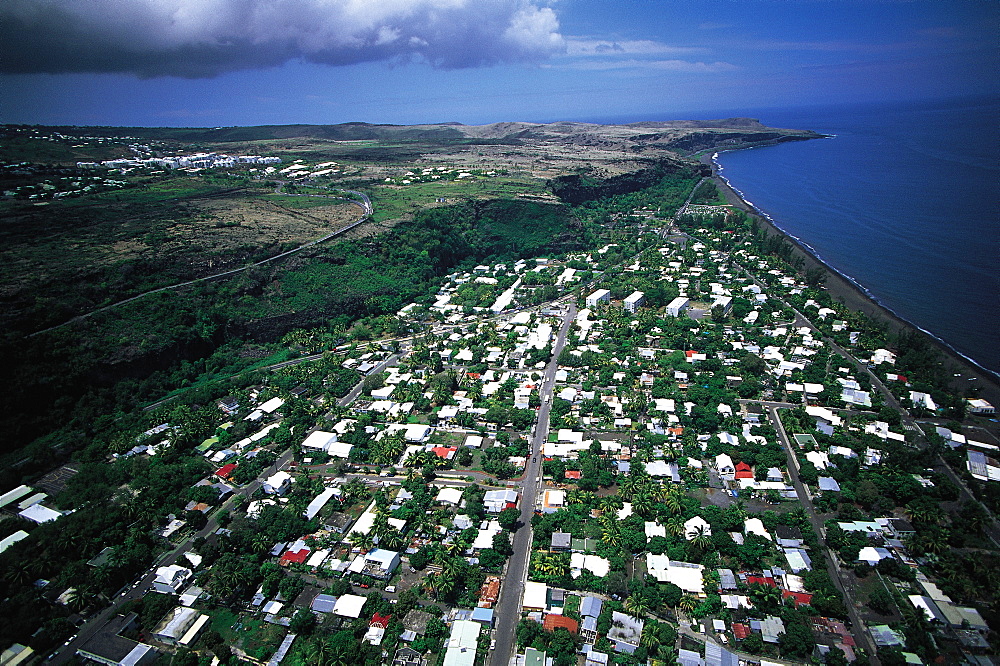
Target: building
x=460 y=649
x=108 y=647
x=634 y=301
x=625 y=632
x=169 y=580
x=561 y=542
x=277 y=484
x=598 y=297
x=677 y=306
x=980 y=406
x=175 y=625
x=377 y=563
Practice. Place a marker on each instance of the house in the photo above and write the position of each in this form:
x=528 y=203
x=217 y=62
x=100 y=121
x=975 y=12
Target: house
x=277 y=484
x=684 y=575
x=175 y=625
x=225 y=471
x=980 y=406
x=591 y=607
x=460 y=648
x=110 y=648
x=598 y=297
x=349 y=605
x=829 y=484
x=483 y=616
x=625 y=632
x=534 y=598
x=496 y=501
x=788 y=536
x=560 y=542
x=743 y=471
x=15 y=655
x=553 y=621
x=377 y=563
x=170 y=579
x=724 y=465
x=696 y=526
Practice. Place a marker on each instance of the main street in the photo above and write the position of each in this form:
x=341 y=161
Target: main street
x=508 y=608
x=841 y=580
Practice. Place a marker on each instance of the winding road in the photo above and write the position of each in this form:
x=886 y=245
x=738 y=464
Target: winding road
x=363 y=202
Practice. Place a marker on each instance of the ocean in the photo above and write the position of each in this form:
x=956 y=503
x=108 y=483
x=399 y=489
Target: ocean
x=903 y=199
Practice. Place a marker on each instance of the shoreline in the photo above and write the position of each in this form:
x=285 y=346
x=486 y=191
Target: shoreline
x=856 y=297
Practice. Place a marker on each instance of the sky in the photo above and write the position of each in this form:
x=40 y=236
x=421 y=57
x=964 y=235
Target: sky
x=207 y=63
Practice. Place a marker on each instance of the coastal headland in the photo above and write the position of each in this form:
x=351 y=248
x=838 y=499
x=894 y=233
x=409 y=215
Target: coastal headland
x=853 y=296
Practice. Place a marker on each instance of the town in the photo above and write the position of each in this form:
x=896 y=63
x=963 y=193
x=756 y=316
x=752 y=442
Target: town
x=673 y=448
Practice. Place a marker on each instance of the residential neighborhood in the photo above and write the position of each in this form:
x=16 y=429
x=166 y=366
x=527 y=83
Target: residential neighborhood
x=667 y=450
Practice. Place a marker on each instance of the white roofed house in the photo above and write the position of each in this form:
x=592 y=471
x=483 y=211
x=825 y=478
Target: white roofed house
x=169 y=580
x=695 y=527
x=922 y=400
x=277 y=484
x=377 y=563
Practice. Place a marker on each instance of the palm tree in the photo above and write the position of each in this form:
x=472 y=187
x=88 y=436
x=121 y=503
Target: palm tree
x=21 y=571
x=260 y=542
x=636 y=606
x=650 y=638
x=687 y=603
x=317 y=652
x=673 y=501
x=79 y=598
x=666 y=655
x=611 y=534
x=362 y=541
x=702 y=539
x=643 y=503
x=675 y=526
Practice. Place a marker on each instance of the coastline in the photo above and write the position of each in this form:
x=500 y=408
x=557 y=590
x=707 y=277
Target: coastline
x=854 y=296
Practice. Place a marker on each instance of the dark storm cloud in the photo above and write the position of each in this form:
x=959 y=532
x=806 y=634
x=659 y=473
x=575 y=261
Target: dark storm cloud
x=204 y=38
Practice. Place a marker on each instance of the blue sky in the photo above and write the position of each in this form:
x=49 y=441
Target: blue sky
x=248 y=62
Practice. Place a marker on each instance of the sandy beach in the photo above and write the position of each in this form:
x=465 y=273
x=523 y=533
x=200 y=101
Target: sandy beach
x=848 y=293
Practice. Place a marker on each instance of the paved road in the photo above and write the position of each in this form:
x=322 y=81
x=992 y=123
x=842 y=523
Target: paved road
x=858 y=630
x=142 y=585
x=508 y=608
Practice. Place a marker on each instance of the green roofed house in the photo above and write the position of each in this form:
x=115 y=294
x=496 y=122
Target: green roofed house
x=533 y=657
x=207 y=444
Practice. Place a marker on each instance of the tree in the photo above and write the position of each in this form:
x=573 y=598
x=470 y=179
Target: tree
x=508 y=519
x=303 y=622
x=636 y=606
x=754 y=643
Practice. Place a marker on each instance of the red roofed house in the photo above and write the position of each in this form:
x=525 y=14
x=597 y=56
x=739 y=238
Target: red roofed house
x=798 y=598
x=224 y=471
x=573 y=474
x=380 y=621
x=294 y=557
x=743 y=471
x=741 y=631
x=761 y=580
x=445 y=452
x=553 y=622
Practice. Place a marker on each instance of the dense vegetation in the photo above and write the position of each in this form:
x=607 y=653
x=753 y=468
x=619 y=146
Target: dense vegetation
x=68 y=378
